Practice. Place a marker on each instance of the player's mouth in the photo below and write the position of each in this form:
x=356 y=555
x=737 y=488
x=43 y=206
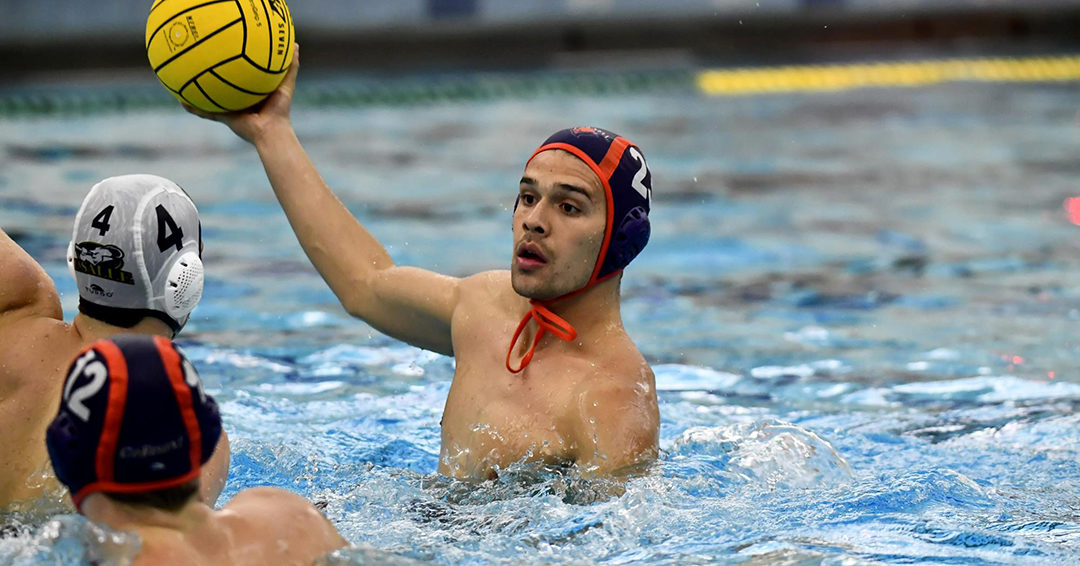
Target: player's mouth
x=529 y=257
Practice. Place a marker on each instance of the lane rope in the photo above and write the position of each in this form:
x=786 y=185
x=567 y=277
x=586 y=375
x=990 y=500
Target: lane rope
x=412 y=91
x=823 y=78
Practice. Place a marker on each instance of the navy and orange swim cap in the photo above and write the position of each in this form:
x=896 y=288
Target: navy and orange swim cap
x=133 y=418
x=627 y=183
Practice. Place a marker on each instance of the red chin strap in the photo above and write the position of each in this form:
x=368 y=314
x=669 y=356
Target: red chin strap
x=549 y=322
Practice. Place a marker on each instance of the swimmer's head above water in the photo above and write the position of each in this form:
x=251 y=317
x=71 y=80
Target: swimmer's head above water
x=582 y=215
x=135 y=252
x=133 y=419
x=626 y=184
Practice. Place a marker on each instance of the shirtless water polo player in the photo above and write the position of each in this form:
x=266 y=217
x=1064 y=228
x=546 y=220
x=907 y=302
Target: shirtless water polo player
x=135 y=255
x=544 y=368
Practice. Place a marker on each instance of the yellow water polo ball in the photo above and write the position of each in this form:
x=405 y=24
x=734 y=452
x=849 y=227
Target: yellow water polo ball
x=220 y=55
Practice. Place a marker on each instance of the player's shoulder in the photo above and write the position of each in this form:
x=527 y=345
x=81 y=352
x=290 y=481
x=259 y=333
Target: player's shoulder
x=258 y=497
x=36 y=351
x=622 y=372
x=616 y=417
x=487 y=285
x=626 y=382
x=273 y=505
x=264 y=511
x=496 y=278
x=620 y=358
x=28 y=291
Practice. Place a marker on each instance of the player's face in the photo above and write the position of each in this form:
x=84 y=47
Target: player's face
x=558 y=226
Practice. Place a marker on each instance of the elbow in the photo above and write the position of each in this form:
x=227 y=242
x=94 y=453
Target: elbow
x=354 y=304
x=357 y=295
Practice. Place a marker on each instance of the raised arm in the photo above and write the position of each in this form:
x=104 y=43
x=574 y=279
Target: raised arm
x=410 y=304
x=25 y=288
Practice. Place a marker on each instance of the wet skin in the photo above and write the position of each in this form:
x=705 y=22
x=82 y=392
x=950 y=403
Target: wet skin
x=37 y=348
x=550 y=411
x=591 y=401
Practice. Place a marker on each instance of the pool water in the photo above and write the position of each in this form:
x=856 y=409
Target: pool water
x=861 y=307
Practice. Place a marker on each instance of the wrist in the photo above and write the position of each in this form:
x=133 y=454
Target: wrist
x=270 y=131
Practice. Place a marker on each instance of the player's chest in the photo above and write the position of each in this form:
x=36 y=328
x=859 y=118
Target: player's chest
x=488 y=404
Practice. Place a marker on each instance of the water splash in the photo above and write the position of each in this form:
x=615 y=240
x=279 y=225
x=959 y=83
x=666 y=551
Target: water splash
x=68 y=540
x=769 y=454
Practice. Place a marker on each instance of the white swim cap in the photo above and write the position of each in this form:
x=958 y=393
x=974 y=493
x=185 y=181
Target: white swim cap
x=135 y=252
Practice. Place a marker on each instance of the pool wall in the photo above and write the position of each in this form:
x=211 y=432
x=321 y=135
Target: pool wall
x=42 y=36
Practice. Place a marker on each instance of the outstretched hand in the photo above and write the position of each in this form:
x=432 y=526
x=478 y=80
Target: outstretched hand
x=251 y=122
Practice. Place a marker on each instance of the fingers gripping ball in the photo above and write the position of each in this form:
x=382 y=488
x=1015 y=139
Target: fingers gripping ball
x=221 y=55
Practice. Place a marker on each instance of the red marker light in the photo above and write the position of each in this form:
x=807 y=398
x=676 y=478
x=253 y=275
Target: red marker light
x=1072 y=209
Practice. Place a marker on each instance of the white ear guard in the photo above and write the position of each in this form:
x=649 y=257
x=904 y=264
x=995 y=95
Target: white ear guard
x=183 y=286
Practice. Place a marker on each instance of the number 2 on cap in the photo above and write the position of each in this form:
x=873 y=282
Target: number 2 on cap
x=192 y=379
x=97 y=373
x=639 y=178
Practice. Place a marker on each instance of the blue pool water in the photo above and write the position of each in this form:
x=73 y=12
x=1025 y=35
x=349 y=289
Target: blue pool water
x=862 y=309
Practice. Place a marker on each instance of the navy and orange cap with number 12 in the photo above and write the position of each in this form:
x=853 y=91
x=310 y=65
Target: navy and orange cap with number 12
x=133 y=418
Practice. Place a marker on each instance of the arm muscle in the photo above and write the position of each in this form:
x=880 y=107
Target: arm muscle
x=25 y=288
x=410 y=304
